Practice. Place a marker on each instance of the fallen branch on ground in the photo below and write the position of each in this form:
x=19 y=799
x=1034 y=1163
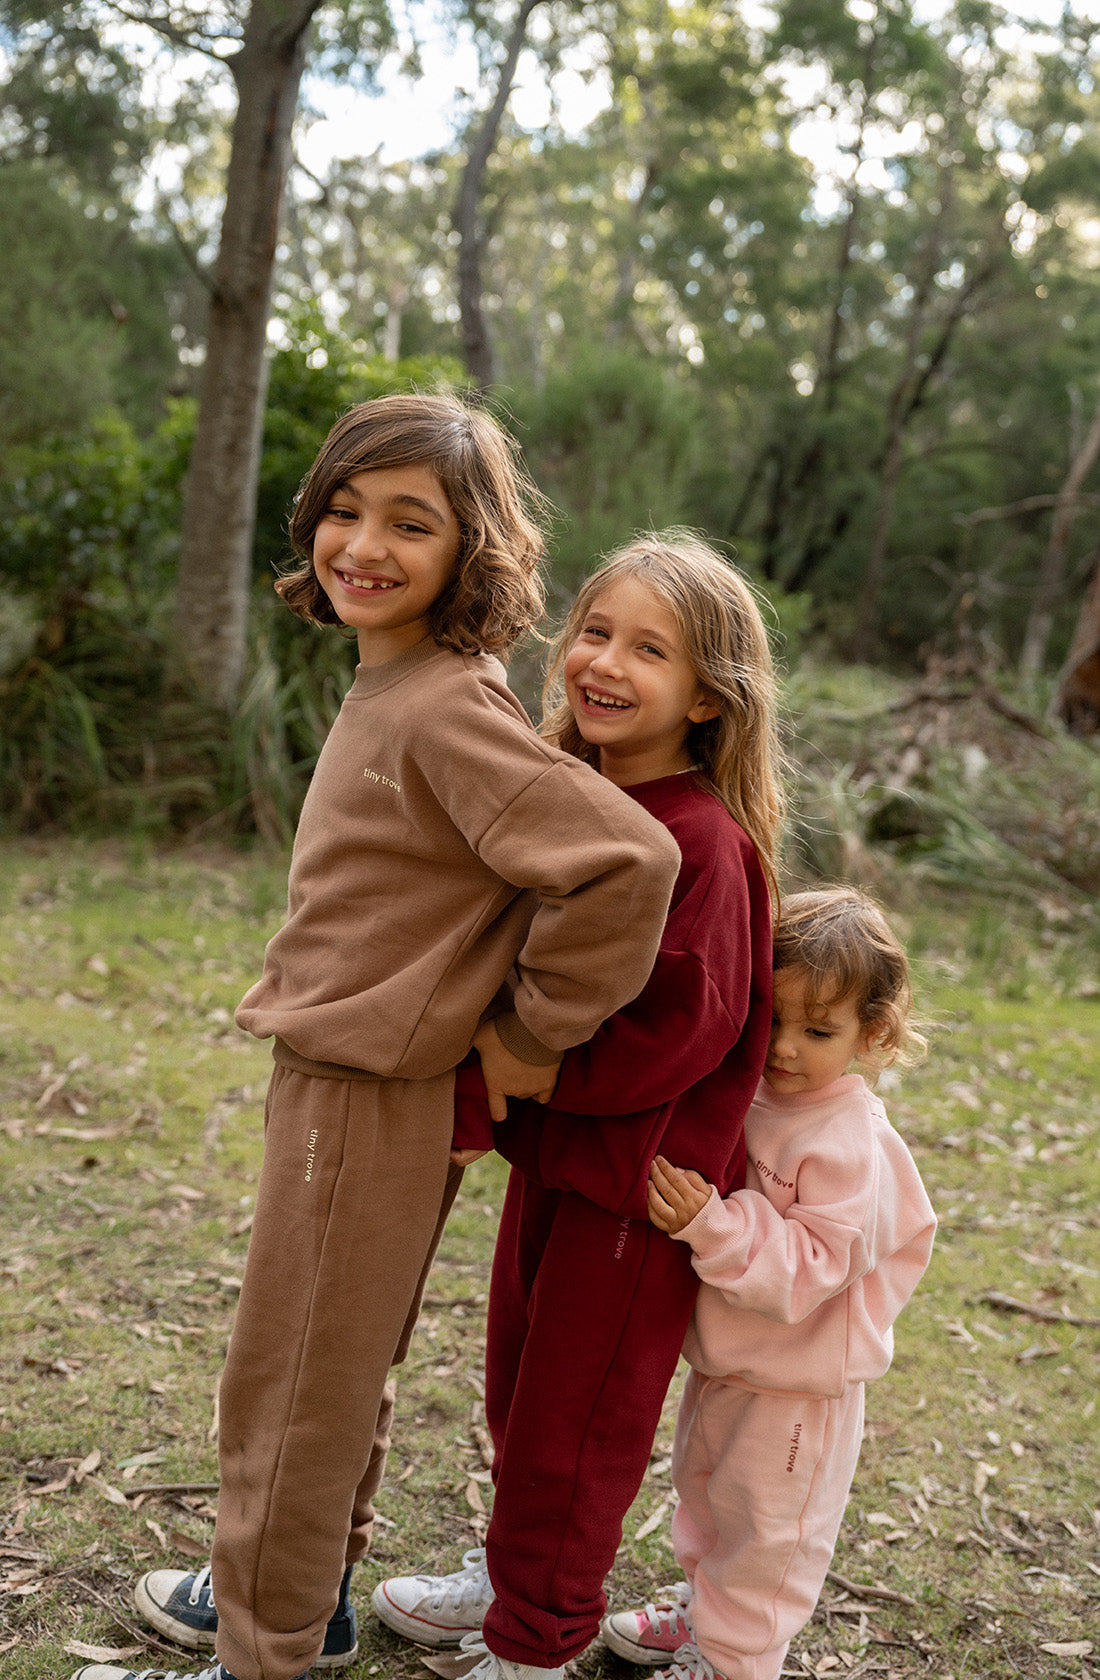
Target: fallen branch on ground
x=859 y=1590
x=1046 y=1315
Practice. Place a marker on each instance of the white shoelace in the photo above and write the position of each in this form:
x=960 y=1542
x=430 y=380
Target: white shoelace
x=662 y=1616
x=466 y=1586
x=689 y=1663
x=174 y=1674
x=202 y=1579
x=669 y=1606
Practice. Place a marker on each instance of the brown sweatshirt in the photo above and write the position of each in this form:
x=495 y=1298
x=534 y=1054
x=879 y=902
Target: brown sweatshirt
x=434 y=814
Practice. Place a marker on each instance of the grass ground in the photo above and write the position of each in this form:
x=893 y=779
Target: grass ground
x=129 y=1147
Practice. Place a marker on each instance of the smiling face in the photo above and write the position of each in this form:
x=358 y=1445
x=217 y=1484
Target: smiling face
x=631 y=686
x=384 y=550
x=810 y=1044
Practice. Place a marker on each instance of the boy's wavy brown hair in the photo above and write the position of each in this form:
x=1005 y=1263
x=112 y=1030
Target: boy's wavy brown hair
x=842 y=940
x=738 y=753
x=495 y=596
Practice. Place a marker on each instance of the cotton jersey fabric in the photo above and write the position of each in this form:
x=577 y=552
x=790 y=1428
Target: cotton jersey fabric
x=433 y=773
x=589 y=1301
x=441 y=842
x=672 y=1072
x=804 y=1272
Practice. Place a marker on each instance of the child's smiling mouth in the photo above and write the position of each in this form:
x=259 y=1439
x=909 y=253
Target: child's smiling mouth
x=606 y=702
x=366 y=584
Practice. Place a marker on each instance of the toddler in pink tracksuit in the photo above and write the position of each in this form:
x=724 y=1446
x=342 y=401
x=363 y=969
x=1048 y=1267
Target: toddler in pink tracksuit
x=803 y=1274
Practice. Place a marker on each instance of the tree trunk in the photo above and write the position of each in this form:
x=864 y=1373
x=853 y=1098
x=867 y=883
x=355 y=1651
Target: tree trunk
x=211 y=608
x=477 y=349
x=1052 y=569
x=1077 y=696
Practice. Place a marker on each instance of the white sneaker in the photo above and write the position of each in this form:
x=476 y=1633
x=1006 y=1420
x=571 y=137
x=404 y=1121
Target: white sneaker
x=650 y=1635
x=436 y=1610
x=492 y=1667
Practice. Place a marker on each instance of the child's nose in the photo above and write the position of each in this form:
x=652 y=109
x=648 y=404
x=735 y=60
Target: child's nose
x=782 y=1044
x=366 y=540
x=607 y=661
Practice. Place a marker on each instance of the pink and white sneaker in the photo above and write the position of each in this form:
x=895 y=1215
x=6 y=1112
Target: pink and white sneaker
x=651 y=1635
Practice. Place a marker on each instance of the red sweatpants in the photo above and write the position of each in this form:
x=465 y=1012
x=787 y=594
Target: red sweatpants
x=587 y=1313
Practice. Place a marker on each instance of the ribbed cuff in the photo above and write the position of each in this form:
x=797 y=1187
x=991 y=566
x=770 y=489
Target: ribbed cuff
x=521 y=1041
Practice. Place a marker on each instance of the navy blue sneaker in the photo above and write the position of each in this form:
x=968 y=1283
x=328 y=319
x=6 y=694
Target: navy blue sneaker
x=181 y=1607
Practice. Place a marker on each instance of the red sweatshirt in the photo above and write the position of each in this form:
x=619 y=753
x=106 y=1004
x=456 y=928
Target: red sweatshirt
x=674 y=1071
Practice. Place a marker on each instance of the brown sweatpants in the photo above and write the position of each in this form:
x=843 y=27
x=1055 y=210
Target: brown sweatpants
x=355 y=1188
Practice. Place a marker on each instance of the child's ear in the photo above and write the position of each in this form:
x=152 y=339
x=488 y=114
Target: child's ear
x=703 y=710
x=871 y=1039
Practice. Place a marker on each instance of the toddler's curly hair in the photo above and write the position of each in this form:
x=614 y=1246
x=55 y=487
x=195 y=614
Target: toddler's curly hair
x=842 y=940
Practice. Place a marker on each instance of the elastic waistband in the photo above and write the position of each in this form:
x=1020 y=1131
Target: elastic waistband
x=288 y=1058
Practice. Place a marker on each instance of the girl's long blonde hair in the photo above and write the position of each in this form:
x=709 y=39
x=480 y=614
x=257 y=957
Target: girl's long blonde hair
x=738 y=753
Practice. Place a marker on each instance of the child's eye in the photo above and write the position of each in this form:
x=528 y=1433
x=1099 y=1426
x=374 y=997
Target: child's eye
x=818 y=1032
x=647 y=647
x=595 y=630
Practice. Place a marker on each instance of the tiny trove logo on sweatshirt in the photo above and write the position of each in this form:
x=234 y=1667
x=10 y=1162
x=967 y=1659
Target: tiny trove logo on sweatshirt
x=624 y=1232
x=311 y=1154
x=766 y=1172
x=377 y=777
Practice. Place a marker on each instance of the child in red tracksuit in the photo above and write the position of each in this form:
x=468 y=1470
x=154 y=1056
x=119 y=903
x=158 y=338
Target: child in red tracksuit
x=803 y=1274
x=669 y=690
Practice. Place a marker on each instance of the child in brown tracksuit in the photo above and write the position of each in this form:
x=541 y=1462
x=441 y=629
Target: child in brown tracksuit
x=441 y=843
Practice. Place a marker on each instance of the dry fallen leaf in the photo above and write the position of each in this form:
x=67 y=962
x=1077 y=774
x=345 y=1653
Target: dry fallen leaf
x=653 y=1521
x=187 y=1545
x=87 y=1465
x=474 y=1499
x=1072 y=1648
x=451 y=1665
x=108 y=1492
x=102 y=1653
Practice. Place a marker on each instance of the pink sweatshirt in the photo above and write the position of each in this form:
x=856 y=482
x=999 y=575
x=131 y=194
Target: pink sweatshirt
x=805 y=1270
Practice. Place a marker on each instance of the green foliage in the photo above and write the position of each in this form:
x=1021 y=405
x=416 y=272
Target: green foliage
x=612 y=440
x=948 y=784
x=88 y=549
x=84 y=303
x=93 y=516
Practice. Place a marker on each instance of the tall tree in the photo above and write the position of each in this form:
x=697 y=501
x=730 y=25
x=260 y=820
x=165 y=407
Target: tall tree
x=263 y=44
x=220 y=497
x=477 y=349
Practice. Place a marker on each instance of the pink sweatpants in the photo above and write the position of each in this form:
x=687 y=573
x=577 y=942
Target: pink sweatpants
x=763 y=1479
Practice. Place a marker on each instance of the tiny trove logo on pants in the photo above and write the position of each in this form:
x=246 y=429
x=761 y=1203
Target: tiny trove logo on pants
x=311 y=1151
x=624 y=1232
x=793 y=1444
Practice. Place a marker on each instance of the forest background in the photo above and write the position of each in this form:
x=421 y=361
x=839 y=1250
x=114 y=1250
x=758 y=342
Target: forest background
x=818 y=279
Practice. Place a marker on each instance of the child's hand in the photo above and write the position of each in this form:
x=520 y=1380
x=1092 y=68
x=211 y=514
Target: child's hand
x=466 y=1157
x=675 y=1195
x=506 y=1076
